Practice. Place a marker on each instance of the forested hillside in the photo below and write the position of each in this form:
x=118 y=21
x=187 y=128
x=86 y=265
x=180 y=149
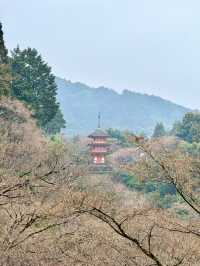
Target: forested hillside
x=56 y=210
x=80 y=105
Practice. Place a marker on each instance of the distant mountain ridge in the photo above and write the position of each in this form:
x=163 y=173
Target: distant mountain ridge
x=80 y=105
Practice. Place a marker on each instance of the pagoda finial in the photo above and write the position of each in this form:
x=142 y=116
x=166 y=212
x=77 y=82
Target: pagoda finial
x=99 y=120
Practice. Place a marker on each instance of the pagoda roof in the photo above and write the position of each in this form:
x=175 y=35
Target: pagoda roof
x=98 y=133
x=99 y=144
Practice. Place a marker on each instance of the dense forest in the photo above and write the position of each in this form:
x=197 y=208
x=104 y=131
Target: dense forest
x=55 y=211
x=80 y=105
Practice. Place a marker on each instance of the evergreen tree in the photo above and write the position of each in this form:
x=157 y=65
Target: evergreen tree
x=55 y=124
x=159 y=131
x=176 y=128
x=189 y=128
x=3 y=50
x=35 y=85
x=5 y=72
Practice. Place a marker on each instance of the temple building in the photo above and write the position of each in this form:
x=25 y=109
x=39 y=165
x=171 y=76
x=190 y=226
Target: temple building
x=99 y=146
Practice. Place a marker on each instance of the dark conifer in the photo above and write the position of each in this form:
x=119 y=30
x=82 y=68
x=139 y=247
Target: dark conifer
x=3 y=50
x=35 y=85
x=5 y=72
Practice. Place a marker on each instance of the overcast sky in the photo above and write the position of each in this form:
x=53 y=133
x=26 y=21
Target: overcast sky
x=149 y=46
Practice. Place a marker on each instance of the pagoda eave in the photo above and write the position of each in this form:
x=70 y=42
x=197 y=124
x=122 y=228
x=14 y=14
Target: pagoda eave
x=98 y=152
x=99 y=144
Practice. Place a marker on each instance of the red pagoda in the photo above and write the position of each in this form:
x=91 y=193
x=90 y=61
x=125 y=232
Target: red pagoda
x=99 y=145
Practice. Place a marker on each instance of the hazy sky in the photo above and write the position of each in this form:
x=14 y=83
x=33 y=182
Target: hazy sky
x=149 y=46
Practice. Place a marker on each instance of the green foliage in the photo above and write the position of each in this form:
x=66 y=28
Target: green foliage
x=3 y=50
x=5 y=79
x=35 y=85
x=131 y=181
x=159 y=130
x=189 y=128
x=163 y=195
x=176 y=128
x=190 y=148
x=182 y=213
x=162 y=202
x=5 y=72
x=55 y=124
x=119 y=135
x=56 y=139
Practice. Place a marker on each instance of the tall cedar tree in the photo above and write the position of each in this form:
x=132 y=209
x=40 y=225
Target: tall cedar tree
x=35 y=85
x=5 y=72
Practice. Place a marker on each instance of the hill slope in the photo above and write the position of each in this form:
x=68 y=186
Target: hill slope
x=80 y=105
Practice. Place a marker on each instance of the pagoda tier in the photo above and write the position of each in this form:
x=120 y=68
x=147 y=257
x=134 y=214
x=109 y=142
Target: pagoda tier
x=97 y=144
